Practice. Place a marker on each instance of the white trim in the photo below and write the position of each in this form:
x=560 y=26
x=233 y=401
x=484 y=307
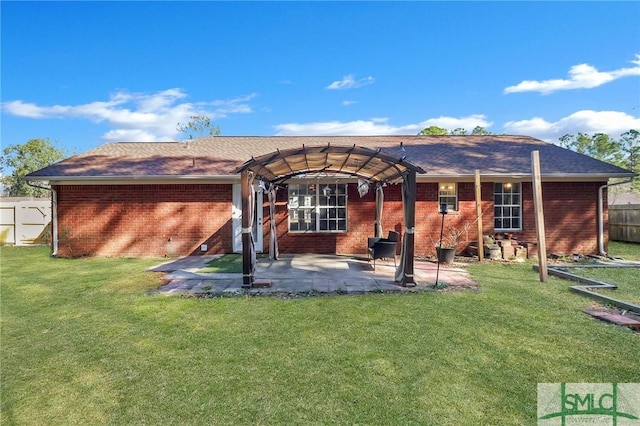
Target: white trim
x=146 y=180
x=317 y=207
x=516 y=177
x=236 y=220
x=519 y=205
x=233 y=178
x=454 y=195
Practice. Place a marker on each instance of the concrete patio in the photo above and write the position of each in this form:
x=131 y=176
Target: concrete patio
x=305 y=273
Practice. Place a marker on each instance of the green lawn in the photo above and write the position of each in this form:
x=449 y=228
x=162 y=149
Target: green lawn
x=82 y=343
x=227 y=263
x=625 y=278
x=627 y=251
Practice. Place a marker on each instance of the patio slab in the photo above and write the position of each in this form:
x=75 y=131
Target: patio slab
x=306 y=273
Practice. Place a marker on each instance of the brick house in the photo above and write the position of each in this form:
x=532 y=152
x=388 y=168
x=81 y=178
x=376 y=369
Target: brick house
x=177 y=198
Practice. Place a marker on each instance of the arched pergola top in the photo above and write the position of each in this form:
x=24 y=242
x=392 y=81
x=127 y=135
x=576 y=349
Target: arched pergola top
x=373 y=165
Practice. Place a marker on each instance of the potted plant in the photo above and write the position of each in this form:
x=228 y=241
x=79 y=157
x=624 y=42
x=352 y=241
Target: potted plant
x=451 y=239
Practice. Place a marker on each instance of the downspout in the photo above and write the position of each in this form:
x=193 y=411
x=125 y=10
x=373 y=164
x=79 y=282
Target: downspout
x=54 y=217
x=54 y=222
x=601 y=214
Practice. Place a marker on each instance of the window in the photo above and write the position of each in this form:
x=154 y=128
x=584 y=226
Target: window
x=448 y=194
x=507 y=211
x=318 y=207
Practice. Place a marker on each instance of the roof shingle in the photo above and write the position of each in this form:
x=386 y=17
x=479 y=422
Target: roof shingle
x=218 y=156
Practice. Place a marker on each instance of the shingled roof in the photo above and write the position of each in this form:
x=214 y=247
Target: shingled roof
x=439 y=156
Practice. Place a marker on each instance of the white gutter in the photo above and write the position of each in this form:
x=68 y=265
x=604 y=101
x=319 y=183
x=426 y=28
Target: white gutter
x=236 y=177
x=525 y=176
x=601 y=214
x=133 y=178
x=54 y=222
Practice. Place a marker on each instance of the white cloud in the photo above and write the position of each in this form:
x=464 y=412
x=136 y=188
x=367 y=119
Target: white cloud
x=133 y=135
x=347 y=103
x=582 y=76
x=612 y=123
x=349 y=82
x=136 y=117
x=377 y=126
x=451 y=123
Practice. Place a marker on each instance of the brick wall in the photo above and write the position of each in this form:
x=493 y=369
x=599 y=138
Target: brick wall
x=143 y=220
x=361 y=217
x=571 y=211
x=169 y=220
x=570 y=219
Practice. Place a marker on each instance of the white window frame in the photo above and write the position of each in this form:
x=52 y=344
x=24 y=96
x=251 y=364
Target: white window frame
x=321 y=208
x=448 y=191
x=507 y=192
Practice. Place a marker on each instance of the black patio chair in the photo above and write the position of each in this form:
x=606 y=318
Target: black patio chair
x=392 y=237
x=383 y=250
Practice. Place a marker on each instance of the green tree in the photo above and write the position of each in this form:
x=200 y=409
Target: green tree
x=459 y=131
x=478 y=130
x=20 y=160
x=600 y=146
x=434 y=131
x=624 y=152
x=630 y=146
x=199 y=125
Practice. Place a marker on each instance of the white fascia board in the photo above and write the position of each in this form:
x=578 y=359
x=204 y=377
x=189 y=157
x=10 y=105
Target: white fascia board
x=235 y=178
x=131 y=180
x=557 y=177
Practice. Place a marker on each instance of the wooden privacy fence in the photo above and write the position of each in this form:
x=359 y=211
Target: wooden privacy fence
x=624 y=222
x=25 y=221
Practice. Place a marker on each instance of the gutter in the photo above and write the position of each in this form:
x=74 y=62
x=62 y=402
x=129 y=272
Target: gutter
x=551 y=177
x=54 y=217
x=428 y=175
x=601 y=214
x=133 y=178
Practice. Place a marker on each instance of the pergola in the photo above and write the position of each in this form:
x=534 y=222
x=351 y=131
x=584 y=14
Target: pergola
x=374 y=166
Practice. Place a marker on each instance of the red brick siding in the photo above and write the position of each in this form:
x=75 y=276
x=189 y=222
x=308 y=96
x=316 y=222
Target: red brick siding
x=570 y=219
x=160 y=220
x=571 y=211
x=361 y=217
x=143 y=220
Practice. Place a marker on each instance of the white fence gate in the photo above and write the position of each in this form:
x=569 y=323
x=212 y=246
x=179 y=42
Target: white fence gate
x=25 y=221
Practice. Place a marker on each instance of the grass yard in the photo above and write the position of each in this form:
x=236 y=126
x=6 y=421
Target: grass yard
x=227 y=263
x=82 y=343
x=627 y=279
x=627 y=251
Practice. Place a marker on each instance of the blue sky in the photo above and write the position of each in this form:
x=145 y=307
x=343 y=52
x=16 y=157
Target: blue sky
x=86 y=73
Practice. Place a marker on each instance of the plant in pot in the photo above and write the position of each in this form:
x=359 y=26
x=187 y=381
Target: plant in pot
x=451 y=239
